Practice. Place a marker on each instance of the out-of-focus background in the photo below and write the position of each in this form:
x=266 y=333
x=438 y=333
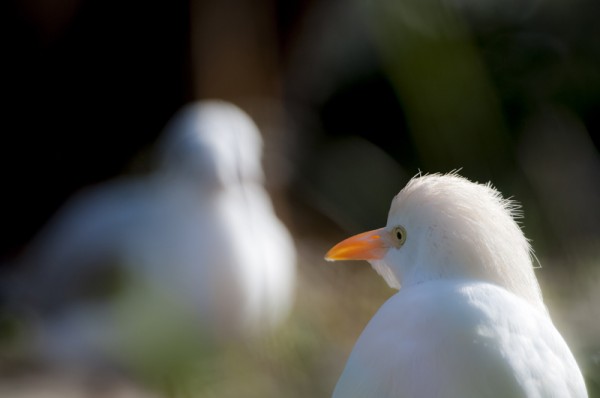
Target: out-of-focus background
x=352 y=99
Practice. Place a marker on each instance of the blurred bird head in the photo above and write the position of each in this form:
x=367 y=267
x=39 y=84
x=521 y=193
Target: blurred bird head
x=447 y=227
x=213 y=142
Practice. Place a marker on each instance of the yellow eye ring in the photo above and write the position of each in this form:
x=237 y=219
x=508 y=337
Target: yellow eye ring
x=399 y=235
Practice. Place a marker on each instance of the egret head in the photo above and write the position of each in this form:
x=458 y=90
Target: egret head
x=447 y=227
x=214 y=142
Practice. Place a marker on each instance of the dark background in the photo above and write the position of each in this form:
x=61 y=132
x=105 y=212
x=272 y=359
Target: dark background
x=87 y=85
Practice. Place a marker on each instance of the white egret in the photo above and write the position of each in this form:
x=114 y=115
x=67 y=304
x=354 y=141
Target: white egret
x=197 y=242
x=469 y=319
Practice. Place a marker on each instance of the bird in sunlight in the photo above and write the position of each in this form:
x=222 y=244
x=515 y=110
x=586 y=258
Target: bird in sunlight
x=194 y=246
x=468 y=319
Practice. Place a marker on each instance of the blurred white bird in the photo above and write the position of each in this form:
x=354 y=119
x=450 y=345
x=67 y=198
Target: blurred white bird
x=469 y=320
x=197 y=241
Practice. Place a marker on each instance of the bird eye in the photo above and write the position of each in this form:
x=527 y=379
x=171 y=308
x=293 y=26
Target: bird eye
x=399 y=234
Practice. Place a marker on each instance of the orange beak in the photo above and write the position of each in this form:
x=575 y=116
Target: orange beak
x=369 y=245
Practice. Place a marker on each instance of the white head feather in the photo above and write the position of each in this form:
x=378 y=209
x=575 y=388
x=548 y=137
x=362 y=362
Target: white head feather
x=456 y=228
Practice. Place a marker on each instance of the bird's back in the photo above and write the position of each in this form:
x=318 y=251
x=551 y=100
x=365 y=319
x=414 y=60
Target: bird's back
x=460 y=339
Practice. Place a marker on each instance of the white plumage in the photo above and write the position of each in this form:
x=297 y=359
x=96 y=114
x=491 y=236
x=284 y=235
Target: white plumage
x=198 y=238
x=469 y=319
